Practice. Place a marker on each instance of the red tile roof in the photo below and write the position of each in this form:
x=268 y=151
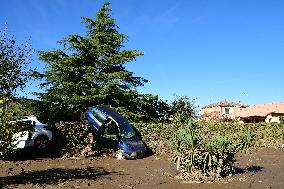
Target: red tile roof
x=225 y=103
x=262 y=110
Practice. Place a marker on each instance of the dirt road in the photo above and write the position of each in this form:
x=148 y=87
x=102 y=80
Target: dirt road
x=262 y=169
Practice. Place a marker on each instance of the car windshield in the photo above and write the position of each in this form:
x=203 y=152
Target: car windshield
x=99 y=116
x=126 y=130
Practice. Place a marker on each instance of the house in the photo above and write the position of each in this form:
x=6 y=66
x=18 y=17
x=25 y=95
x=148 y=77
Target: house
x=262 y=113
x=223 y=110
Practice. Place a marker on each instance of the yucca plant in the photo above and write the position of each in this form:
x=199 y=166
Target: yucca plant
x=247 y=139
x=185 y=147
x=209 y=159
x=219 y=155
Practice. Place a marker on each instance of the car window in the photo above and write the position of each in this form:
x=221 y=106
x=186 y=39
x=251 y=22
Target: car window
x=112 y=128
x=99 y=116
x=126 y=130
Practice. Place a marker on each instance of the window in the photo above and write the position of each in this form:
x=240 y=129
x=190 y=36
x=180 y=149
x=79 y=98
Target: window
x=227 y=110
x=111 y=128
x=99 y=116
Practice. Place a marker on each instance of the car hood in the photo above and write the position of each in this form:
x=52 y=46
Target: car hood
x=134 y=143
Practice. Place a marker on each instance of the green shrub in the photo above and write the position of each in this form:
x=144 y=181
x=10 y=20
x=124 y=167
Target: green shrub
x=182 y=109
x=281 y=119
x=156 y=135
x=201 y=159
x=206 y=150
x=247 y=139
x=7 y=130
x=255 y=134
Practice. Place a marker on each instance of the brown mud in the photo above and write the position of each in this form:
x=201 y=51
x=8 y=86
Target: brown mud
x=264 y=168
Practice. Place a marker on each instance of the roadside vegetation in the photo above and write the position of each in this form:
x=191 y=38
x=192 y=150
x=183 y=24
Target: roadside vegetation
x=15 y=59
x=90 y=70
x=206 y=151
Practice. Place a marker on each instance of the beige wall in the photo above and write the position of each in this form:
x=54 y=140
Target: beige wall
x=232 y=110
x=273 y=118
x=210 y=110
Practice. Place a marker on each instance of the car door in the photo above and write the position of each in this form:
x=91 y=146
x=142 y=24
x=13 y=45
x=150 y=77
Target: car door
x=96 y=120
x=109 y=136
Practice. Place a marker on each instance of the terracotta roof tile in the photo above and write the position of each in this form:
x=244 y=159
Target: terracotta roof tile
x=262 y=109
x=225 y=103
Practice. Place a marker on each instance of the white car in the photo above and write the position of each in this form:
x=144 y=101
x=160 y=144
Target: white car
x=40 y=136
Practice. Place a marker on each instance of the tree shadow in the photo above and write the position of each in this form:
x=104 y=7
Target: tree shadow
x=54 y=176
x=248 y=169
x=31 y=153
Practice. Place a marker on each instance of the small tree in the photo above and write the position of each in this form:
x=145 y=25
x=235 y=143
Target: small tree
x=14 y=61
x=182 y=109
x=14 y=73
x=89 y=70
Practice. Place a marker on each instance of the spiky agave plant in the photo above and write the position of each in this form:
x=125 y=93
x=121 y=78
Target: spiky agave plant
x=218 y=156
x=204 y=159
x=185 y=147
x=247 y=140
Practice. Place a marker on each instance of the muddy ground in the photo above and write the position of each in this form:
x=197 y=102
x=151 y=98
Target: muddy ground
x=263 y=168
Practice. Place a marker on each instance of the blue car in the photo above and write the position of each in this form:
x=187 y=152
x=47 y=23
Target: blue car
x=113 y=129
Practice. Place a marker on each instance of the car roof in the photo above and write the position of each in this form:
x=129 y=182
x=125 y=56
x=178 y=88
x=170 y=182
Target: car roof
x=112 y=113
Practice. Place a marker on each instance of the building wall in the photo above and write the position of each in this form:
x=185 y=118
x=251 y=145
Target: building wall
x=211 y=109
x=273 y=118
x=222 y=110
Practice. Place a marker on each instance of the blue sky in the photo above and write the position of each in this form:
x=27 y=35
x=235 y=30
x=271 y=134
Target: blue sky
x=205 y=49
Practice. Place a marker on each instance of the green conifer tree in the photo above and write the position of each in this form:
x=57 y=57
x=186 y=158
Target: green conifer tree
x=90 y=70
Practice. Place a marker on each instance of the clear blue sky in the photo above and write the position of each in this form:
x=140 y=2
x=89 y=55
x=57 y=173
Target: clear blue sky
x=205 y=49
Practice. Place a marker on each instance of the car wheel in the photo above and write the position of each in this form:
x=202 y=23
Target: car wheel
x=41 y=142
x=120 y=155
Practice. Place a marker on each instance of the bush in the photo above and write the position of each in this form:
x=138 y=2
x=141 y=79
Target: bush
x=200 y=159
x=7 y=130
x=206 y=150
x=255 y=134
x=182 y=109
x=281 y=119
x=247 y=139
x=156 y=135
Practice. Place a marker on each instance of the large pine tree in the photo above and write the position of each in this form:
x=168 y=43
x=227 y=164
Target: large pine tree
x=90 y=69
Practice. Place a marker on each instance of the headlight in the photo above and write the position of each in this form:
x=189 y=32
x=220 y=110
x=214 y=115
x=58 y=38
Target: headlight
x=134 y=154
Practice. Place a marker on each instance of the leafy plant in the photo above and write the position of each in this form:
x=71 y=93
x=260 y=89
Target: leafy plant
x=247 y=139
x=281 y=119
x=14 y=71
x=206 y=150
x=185 y=145
x=14 y=65
x=220 y=155
x=182 y=109
x=201 y=159
x=8 y=141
